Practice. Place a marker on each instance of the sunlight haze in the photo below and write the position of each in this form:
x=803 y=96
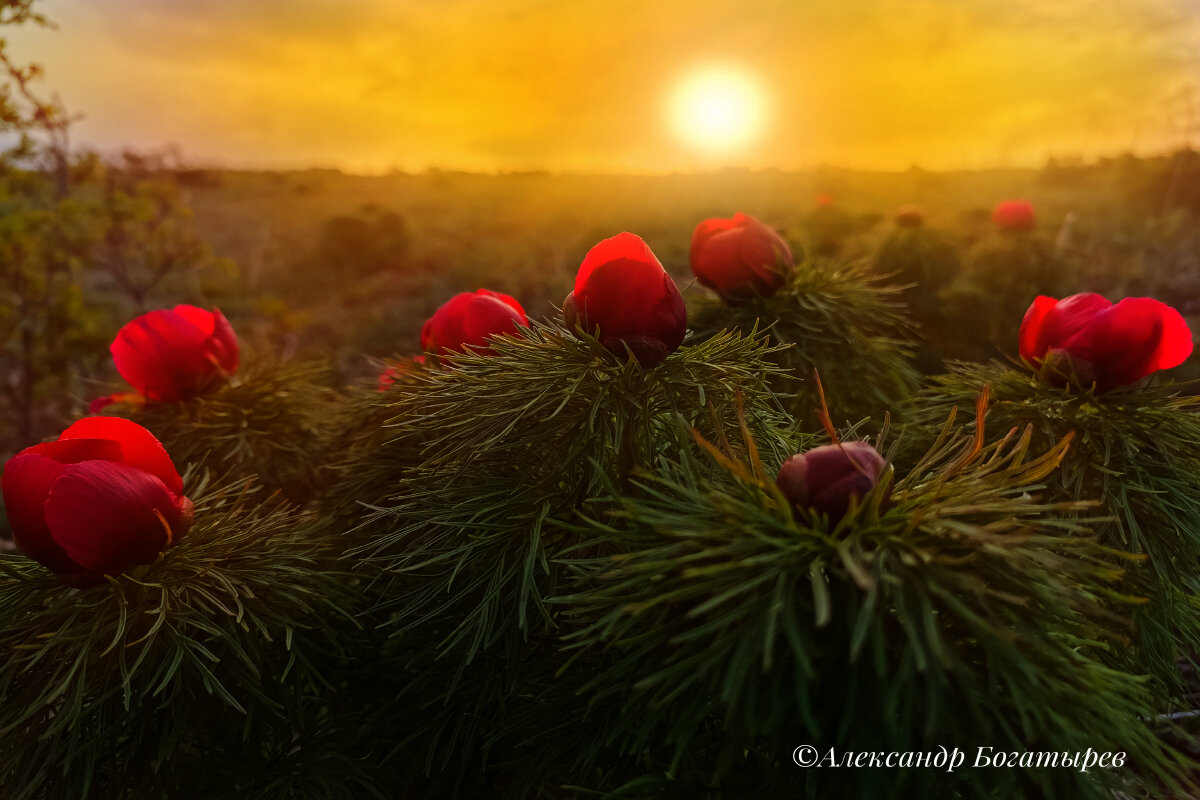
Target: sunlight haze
x=589 y=85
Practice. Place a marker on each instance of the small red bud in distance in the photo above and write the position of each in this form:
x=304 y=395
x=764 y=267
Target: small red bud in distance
x=468 y=320
x=909 y=216
x=739 y=258
x=1013 y=215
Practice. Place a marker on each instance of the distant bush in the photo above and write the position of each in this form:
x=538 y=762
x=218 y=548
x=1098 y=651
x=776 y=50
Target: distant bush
x=199 y=178
x=372 y=240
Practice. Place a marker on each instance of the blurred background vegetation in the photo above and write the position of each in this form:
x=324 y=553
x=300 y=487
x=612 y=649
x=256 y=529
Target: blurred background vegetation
x=317 y=264
x=341 y=267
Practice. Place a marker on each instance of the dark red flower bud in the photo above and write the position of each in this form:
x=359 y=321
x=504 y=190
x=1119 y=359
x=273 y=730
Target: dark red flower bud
x=825 y=478
x=622 y=290
x=1013 y=215
x=469 y=320
x=103 y=497
x=175 y=355
x=739 y=258
x=909 y=216
x=1112 y=345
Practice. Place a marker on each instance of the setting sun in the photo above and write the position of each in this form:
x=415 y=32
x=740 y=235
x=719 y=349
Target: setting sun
x=717 y=109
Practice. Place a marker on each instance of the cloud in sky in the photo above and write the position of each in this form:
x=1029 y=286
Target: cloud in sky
x=583 y=84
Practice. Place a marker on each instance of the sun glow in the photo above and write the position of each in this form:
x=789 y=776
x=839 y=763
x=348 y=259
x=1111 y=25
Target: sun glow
x=717 y=109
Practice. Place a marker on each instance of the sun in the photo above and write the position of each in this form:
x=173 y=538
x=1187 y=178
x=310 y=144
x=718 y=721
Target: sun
x=718 y=108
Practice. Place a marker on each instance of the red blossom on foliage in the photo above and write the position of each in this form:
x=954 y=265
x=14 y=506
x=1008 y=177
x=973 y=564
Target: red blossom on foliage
x=825 y=478
x=174 y=355
x=739 y=258
x=469 y=320
x=1097 y=341
x=909 y=216
x=1013 y=215
x=103 y=497
x=622 y=290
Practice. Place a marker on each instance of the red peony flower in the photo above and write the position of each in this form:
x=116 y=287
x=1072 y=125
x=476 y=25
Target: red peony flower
x=172 y=356
x=1111 y=345
x=1013 y=215
x=909 y=216
x=739 y=258
x=825 y=478
x=469 y=319
x=623 y=290
x=102 y=498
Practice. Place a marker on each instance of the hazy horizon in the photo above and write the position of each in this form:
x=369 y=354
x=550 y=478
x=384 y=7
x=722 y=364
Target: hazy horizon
x=591 y=87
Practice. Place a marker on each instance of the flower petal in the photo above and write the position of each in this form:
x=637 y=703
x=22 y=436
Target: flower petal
x=28 y=478
x=765 y=252
x=444 y=329
x=204 y=320
x=718 y=263
x=634 y=303
x=470 y=318
x=109 y=516
x=488 y=316
x=1073 y=316
x=623 y=246
x=138 y=446
x=164 y=355
x=223 y=344
x=1133 y=339
x=739 y=258
x=706 y=229
x=1068 y=319
x=509 y=301
x=1032 y=342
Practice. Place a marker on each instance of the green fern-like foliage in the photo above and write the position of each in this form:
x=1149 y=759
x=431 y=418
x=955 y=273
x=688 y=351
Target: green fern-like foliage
x=369 y=448
x=106 y=691
x=1137 y=451
x=266 y=423
x=513 y=439
x=842 y=322
x=512 y=444
x=729 y=629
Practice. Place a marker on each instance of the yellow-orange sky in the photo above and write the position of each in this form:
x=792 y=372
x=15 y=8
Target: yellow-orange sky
x=370 y=85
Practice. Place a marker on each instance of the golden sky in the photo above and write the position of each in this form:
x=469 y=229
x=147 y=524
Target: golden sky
x=371 y=85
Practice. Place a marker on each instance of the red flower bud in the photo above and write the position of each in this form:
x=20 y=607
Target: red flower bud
x=909 y=216
x=1013 y=215
x=825 y=478
x=1113 y=345
x=175 y=355
x=468 y=320
x=103 y=497
x=622 y=289
x=739 y=258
